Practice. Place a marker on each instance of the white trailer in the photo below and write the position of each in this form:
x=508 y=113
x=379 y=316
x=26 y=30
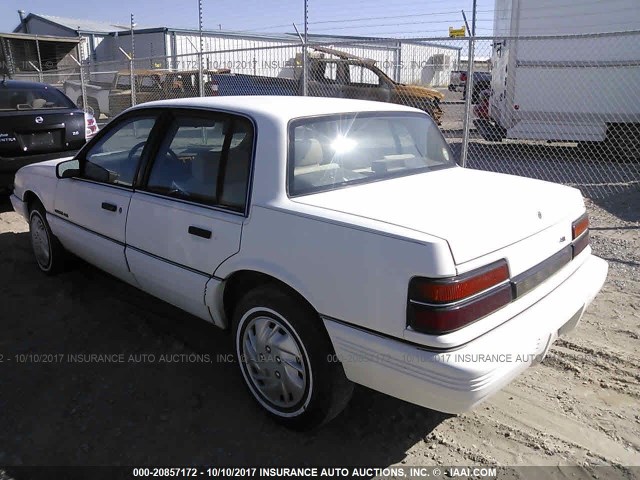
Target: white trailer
x=580 y=83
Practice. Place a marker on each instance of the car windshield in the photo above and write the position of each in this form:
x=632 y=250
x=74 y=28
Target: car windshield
x=32 y=98
x=331 y=152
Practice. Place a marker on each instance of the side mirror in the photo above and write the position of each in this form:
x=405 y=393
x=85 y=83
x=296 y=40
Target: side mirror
x=68 y=169
x=70 y=173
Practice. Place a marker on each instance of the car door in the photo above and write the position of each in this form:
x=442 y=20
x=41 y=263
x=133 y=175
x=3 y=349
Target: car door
x=91 y=209
x=187 y=217
x=365 y=84
x=323 y=80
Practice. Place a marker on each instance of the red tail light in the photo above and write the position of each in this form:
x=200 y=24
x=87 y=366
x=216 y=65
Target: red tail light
x=438 y=306
x=463 y=77
x=461 y=287
x=580 y=234
x=91 y=126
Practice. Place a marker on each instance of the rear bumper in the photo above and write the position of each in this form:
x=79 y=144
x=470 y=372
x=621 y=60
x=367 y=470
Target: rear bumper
x=456 y=381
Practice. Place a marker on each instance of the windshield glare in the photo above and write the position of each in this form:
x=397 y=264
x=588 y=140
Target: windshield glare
x=335 y=151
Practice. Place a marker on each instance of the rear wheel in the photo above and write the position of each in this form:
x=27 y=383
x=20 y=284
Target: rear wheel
x=49 y=253
x=287 y=360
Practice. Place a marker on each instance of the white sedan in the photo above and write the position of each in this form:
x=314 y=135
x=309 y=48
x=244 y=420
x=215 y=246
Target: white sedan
x=337 y=240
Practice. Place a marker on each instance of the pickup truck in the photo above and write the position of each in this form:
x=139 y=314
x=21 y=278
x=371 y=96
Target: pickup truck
x=339 y=75
x=343 y=76
x=111 y=98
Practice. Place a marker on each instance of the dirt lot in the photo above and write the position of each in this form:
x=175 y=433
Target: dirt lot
x=580 y=407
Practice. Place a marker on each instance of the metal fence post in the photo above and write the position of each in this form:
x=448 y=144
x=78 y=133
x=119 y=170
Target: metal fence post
x=132 y=65
x=305 y=63
x=83 y=86
x=40 y=76
x=468 y=104
x=200 y=82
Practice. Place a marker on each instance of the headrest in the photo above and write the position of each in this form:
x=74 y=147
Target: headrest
x=308 y=152
x=39 y=103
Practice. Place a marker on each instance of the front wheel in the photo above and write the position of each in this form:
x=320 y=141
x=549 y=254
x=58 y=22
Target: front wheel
x=287 y=360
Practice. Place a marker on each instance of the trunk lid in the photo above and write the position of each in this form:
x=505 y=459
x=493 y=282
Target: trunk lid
x=29 y=132
x=476 y=212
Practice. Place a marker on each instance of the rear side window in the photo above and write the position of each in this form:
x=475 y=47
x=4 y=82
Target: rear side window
x=40 y=98
x=205 y=159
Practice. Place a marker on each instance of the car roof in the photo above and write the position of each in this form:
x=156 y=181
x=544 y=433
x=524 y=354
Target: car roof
x=23 y=84
x=281 y=107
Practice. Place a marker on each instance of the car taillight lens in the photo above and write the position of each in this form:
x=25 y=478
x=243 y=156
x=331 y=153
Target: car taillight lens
x=463 y=77
x=580 y=234
x=438 y=306
x=460 y=287
x=91 y=126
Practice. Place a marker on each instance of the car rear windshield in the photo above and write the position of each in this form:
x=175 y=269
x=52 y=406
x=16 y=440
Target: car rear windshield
x=38 y=98
x=329 y=152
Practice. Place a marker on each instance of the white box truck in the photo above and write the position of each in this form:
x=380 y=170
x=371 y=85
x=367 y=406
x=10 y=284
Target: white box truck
x=584 y=87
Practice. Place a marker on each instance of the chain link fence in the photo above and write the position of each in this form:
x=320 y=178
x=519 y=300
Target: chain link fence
x=564 y=109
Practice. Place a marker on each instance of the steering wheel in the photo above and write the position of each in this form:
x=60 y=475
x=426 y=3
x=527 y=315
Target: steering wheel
x=133 y=151
x=138 y=146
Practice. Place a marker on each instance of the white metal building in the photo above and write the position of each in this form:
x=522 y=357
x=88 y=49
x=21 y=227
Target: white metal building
x=256 y=54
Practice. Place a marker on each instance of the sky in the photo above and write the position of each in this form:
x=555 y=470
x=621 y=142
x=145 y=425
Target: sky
x=401 y=18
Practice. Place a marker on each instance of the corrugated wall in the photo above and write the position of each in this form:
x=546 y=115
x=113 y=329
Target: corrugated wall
x=427 y=64
x=404 y=62
x=240 y=55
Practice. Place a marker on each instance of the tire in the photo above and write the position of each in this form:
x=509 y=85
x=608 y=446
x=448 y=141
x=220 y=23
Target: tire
x=49 y=253
x=300 y=387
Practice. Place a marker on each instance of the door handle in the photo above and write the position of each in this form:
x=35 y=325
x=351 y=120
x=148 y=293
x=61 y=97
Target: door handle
x=109 y=206
x=199 y=232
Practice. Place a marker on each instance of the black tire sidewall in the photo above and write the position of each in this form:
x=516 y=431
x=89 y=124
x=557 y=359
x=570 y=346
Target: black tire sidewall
x=329 y=390
x=38 y=212
x=242 y=327
x=57 y=253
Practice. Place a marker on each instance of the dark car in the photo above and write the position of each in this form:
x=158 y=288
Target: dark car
x=37 y=122
x=481 y=82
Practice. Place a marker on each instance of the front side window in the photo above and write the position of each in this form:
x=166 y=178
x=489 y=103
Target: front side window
x=205 y=159
x=124 y=82
x=114 y=158
x=335 y=151
x=149 y=83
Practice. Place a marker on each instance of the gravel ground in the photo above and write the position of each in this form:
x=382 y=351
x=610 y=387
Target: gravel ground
x=171 y=402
